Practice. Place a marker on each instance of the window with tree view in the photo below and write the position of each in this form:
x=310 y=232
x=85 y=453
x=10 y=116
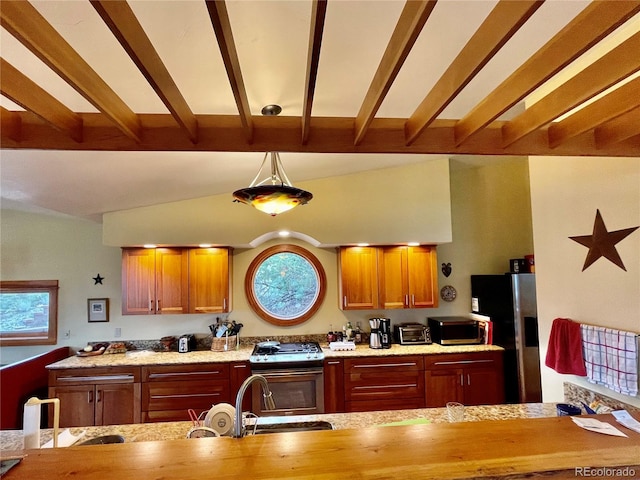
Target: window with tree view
x=28 y=312
x=285 y=284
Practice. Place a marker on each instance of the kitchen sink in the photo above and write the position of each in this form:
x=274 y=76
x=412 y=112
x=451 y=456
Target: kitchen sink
x=289 y=427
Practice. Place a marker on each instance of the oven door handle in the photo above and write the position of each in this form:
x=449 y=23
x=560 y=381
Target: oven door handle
x=291 y=373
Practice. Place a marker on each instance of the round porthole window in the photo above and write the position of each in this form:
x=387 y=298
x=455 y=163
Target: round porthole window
x=285 y=285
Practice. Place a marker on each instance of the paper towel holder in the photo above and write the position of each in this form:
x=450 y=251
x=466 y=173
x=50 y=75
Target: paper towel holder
x=31 y=422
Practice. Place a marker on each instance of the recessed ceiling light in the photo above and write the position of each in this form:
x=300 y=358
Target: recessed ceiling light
x=284 y=233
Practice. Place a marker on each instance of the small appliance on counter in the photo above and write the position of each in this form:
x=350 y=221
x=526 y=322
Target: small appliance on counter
x=374 y=337
x=412 y=334
x=380 y=333
x=455 y=331
x=187 y=343
x=385 y=333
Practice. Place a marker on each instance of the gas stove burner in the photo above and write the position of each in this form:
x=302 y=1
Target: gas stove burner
x=287 y=353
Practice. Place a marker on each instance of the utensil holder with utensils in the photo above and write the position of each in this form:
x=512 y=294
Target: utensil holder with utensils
x=224 y=344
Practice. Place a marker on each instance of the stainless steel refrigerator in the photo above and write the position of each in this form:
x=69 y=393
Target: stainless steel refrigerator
x=510 y=302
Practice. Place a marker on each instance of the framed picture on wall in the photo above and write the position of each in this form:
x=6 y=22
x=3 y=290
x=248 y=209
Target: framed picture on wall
x=98 y=309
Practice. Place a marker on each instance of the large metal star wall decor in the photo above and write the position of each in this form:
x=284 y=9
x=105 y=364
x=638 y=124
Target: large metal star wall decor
x=602 y=243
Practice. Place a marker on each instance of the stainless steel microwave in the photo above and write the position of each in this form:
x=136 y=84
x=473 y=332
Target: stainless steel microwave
x=455 y=331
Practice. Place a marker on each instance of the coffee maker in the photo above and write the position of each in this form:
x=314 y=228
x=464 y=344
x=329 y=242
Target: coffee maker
x=374 y=337
x=385 y=332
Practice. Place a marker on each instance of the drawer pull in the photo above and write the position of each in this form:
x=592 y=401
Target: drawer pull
x=182 y=374
x=240 y=366
x=334 y=363
x=186 y=395
x=408 y=364
x=463 y=362
x=369 y=387
x=96 y=379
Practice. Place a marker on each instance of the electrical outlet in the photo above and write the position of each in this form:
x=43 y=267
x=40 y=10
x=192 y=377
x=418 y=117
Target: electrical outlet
x=118 y=332
x=66 y=335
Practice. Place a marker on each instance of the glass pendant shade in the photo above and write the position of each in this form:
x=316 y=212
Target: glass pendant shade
x=274 y=194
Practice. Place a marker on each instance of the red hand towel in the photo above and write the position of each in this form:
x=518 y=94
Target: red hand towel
x=564 y=352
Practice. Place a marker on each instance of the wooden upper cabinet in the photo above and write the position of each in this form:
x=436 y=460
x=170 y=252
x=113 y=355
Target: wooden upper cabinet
x=408 y=277
x=138 y=281
x=209 y=280
x=394 y=277
x=172 y=268
x=358 y=278
x=423 y=277
x=154 y=281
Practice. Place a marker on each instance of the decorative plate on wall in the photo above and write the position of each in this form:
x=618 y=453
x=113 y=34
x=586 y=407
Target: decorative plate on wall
x=448 y=293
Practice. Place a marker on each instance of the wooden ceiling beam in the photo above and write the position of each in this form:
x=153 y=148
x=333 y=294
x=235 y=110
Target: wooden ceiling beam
x=412 y=19
x=225 y=133
x=595 y=22
x=501 y=24
x=619 y=129
x=124 y=25
x=30 y=28
x=222 y=27
x=22 y=90
x=616 y=103
x=318 y=14
x=10 y=125
x=605 y=72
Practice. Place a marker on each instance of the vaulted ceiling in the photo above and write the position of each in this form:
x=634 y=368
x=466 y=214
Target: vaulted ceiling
x=385 y=78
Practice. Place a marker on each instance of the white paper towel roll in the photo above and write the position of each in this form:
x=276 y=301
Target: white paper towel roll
x=31 y=425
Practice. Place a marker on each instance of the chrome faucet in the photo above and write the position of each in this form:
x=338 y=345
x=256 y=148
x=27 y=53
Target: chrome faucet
x=238 y=427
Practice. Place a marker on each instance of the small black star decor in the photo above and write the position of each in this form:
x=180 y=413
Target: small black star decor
x=602 y=243
x=98 y=279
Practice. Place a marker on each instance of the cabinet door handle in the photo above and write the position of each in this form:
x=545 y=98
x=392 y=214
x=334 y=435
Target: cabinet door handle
x=334 y=363
x=99 y=396
x=406 y=300
x=344 y=301
x=224 y=303
x=151 y=305
x=461 y=380
x=413 y=300
x=468 y=379
x=239 y=366
x=158 y=309
x=90 y=396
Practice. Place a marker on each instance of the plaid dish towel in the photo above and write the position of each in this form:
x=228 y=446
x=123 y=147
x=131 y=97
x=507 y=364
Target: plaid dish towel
x=611 y=358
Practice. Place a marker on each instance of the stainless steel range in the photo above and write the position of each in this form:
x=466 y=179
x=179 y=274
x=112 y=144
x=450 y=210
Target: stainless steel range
x=294 y=373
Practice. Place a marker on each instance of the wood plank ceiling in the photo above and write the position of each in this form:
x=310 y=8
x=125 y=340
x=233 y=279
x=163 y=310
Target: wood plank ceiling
x=609 y=126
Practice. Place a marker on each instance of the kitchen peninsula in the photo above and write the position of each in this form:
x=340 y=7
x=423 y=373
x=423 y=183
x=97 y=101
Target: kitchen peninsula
x=507 y=448
x=494 y=441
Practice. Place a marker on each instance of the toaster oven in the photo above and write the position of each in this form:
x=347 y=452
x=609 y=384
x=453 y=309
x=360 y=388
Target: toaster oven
x=412 y=334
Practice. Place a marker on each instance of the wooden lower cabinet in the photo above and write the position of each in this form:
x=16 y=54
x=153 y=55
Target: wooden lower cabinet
x=333 y=385
x=238 y=373
x=168 y=391
x=384 y=383
x=96 y=396
x=472 y=379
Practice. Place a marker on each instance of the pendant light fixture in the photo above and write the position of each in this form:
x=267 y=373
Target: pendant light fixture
x=274 y=194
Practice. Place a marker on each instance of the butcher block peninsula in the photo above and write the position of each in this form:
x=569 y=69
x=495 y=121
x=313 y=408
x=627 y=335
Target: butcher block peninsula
x=517 y=448
x=493 y=441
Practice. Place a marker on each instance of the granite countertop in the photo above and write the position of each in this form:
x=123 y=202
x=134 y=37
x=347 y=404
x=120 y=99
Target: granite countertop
x=12 y=439
x=147 y=357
